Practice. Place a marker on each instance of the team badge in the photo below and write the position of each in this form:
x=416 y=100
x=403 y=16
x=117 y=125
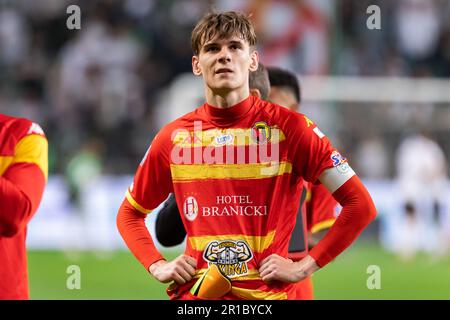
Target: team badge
x=190 y=208
x=230 y=256
x=261 y=132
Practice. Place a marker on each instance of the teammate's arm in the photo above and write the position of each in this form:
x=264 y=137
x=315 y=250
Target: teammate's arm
x=22 y=184
x=314 y=238
x=321 y=210
x=168 y=226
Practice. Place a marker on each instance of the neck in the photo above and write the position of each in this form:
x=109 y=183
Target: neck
x=225 y=99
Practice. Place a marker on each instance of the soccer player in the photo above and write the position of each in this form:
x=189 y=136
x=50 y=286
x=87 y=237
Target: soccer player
x=236 y=166
x=169 y=228
x=318 y=209
x=23 y=175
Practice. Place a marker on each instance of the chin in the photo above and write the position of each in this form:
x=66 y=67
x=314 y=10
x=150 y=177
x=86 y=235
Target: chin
x=223 y=86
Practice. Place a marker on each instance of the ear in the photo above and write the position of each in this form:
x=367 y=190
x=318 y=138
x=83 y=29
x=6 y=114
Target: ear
x=196 y=66
x=254 y=60
x=255 y=93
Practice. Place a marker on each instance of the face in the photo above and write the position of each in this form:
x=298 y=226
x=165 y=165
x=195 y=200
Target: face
x=284 y=98
x=225 y=63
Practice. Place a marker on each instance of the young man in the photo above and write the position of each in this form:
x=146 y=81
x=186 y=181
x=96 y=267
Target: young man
x=239 y=202
x=23 y=174
x=318 y=209
x=169 y=228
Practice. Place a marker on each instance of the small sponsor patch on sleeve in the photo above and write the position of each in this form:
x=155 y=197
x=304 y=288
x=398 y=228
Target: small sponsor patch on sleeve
x=319 y=133
x=36 y=129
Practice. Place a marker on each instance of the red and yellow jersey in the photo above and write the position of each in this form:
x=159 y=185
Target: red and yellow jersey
x=23 y=173
x=237 y=175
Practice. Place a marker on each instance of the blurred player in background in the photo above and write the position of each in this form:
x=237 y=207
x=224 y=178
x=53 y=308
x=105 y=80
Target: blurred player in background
x=23 y=175
x=318 y=209
x=422 y=177
x=232 y=210
x=317 y=205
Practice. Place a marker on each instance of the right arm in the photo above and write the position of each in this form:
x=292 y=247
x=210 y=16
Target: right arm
x=141 y=198
x=131 y=225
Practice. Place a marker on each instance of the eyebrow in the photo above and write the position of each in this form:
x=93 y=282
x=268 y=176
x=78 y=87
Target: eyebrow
x=211 y=44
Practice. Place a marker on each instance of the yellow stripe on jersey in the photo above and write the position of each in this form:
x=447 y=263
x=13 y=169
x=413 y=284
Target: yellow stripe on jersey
x=322 y=225
x=256 y=243
x=5 y=162
x=258 y=294
x=32 y=149
x=220 y=137
x=252 y=274
x=185 y=173
x=136 y=205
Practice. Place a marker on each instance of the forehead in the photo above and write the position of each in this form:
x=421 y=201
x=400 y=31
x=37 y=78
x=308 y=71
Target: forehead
x=218 y=39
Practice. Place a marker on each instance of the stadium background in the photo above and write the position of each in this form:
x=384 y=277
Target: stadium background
x=102 y=92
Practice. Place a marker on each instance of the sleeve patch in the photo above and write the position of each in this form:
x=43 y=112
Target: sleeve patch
x=319 y=133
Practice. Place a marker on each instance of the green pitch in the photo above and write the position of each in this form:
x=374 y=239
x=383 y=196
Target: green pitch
x=120 y=276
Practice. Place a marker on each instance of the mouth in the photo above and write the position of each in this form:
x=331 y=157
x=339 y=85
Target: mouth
x=224 y=71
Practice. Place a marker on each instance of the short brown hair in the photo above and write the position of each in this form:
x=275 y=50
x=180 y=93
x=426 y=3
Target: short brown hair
x=223 y=25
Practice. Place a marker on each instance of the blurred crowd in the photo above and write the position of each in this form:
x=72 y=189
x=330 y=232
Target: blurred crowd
x=94 y=90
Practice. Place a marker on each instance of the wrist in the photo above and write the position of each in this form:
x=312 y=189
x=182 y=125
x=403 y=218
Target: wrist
x=306 y=267
x=155 y=266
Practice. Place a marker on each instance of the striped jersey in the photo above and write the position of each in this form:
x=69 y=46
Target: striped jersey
x=237 y=175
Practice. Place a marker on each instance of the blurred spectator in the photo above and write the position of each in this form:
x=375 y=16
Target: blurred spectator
x=372 y=158
x=422 y=178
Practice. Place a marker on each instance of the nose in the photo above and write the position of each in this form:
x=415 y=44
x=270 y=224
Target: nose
x=224 y=55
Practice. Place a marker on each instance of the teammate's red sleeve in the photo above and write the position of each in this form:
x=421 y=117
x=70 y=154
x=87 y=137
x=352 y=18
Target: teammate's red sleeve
x=357 y=212
x=131 y=225
x=23 y=182
x=21 y=189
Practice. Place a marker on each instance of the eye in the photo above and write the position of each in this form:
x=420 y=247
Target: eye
x=211 y=49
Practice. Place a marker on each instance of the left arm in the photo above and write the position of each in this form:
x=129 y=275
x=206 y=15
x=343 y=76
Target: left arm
x=315 y=158
x=358 y=211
